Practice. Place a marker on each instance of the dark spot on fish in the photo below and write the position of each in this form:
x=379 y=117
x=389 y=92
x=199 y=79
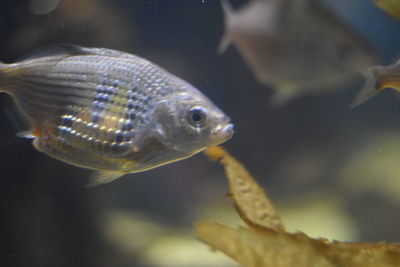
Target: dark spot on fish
x=130 y=104
x=127 y=126
x=132 y=95
x=100 y=89
x=102 y=98
x=63 y=131
x=127 y=136
x=98 y=105
x=119 y=136
x=95 y=117
x=116 y=83
x=120 y=147
x=140 y=106
x=145 y=99
x=67 y=121
x=110 y=90
x=130 y=114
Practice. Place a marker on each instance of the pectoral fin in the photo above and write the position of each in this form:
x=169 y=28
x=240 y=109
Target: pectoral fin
x=27 y=134
x=283 y=95
x=103 y=177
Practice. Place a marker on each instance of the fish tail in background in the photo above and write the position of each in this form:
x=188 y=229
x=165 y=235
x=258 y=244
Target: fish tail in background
x=227 y=36
x=371 y=87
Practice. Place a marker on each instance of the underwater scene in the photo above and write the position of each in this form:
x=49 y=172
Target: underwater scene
x=200 y=133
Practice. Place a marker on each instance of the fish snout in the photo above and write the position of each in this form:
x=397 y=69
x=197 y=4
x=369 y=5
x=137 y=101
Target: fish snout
x=222 y=133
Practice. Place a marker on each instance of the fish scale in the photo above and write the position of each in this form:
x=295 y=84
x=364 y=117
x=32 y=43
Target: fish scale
x=111 y=111
x=79 y=133
x=104 y=137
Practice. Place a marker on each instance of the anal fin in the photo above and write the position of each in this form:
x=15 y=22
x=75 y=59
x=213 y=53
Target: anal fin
x=103 y=177
x=27 y=134
x=30 y=134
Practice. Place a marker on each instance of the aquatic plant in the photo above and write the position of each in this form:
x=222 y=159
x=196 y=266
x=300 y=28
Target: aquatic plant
x=266 y=243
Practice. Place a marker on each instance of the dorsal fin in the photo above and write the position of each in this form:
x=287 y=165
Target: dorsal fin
x=65 y=49
x=108 y=52
x=56 y=50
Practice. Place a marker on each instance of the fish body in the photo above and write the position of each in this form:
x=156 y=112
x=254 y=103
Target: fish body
x=377 y=79
x=296 y=46
x=111 y=111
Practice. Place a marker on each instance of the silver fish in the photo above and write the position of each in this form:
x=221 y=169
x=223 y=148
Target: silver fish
x=111 y=111
x=296 y=46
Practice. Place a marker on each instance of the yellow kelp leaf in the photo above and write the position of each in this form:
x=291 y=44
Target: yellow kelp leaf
x=256 y=248
x=250 y=199
x=391 y=7
x=266 y=243
x=280 y=249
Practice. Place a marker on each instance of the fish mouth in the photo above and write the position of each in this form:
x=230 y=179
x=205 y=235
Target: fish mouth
x=222 y=133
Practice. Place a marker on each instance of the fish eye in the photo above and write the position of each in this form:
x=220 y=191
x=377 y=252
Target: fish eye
x=197 y=116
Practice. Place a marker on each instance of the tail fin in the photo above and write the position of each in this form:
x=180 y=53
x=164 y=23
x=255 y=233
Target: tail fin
x=227 y=35
x=370 y=88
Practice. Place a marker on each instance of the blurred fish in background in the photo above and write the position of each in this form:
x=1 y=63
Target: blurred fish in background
x=299 y=47
x=377 y=79
x=391 y=7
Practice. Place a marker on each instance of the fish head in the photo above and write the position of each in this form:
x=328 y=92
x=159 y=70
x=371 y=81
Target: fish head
x=187 y=122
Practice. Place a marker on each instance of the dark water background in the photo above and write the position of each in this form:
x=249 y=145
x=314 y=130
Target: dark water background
x=48 y=217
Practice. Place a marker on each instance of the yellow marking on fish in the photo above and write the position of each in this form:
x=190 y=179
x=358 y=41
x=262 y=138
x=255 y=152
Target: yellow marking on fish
x=392 y=82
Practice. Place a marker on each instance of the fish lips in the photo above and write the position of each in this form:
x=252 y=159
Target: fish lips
x=222 y=133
